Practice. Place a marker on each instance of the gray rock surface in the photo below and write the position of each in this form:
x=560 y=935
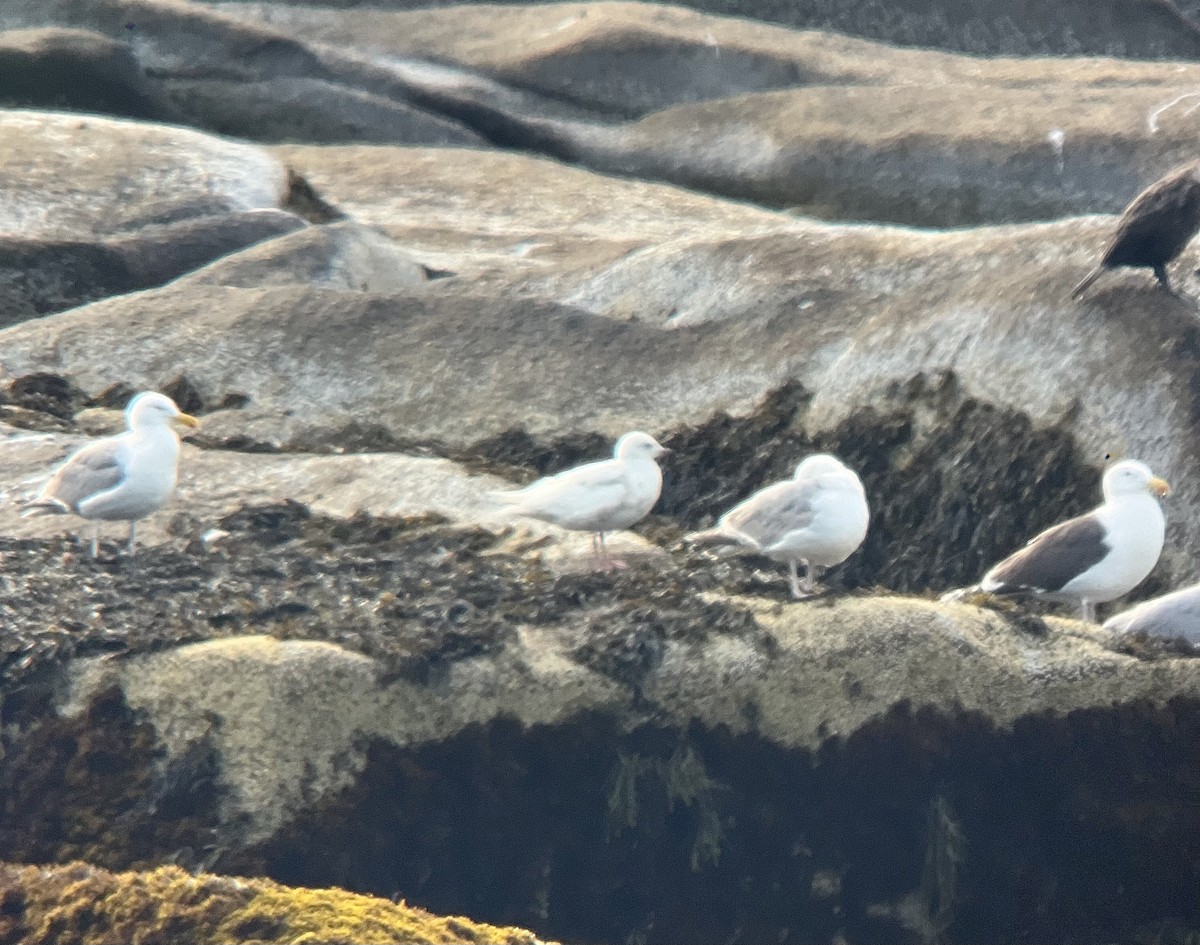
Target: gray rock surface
x=79 y=70
x=39 y=276
x=837 y=127
x=121 y=175
x=958 y=658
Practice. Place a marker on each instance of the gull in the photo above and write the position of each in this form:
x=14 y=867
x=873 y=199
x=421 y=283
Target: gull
x=597 y=497
x=1096 y=557
x=817 y=518
x=120 y=478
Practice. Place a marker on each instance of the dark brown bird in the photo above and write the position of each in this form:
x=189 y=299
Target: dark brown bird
x=1155 y=228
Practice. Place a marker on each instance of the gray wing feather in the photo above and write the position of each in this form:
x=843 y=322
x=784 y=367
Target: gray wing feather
x=94 y=469
x=767 y=516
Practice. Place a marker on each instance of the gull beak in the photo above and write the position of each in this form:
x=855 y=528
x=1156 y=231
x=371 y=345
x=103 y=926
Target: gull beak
x=1160 y=487
x=186 y=420
x=663 y=451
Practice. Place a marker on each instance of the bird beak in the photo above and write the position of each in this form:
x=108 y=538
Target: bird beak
x=1160 y=487
x=186 y=420
x=663 y=451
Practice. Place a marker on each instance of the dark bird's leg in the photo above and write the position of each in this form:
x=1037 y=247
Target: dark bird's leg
x=1160 y=273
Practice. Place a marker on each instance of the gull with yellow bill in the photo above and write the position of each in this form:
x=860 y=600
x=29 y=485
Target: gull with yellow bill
x=1096 y=557
x=120 y=478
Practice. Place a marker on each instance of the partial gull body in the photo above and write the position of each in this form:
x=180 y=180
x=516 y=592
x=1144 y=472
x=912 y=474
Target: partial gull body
x=598 y=497
x=1154 y=228
x=1096 y=557
x=818 y=519
x=1173 y=616
x=120 y=478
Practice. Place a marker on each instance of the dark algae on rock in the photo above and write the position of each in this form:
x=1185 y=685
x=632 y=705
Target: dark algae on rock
x=920 y=827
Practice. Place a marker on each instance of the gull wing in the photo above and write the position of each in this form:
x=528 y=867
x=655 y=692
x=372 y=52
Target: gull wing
x=764 y=519
x=96 y=468
x=574 y=493
x=1052 y=559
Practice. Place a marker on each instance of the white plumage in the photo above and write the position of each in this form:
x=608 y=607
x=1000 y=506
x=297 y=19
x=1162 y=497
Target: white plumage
x=1173 y=616
x=598 y=497
x=818 y=519
x=120 y=478
x=1096 y=557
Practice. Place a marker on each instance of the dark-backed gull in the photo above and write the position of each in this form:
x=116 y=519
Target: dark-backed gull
x=120 y=478
x=598 y=497
x=1096 y=557
x=818 y=518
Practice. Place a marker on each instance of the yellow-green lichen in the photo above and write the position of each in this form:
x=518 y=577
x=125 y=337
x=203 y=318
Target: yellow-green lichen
x=84 y=905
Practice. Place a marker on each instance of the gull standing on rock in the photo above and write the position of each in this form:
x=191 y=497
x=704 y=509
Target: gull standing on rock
x=598 y=497
x=120 y=478
x=1096 y=557
x=818 y=519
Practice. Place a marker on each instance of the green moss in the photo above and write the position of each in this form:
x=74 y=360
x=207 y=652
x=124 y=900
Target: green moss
x=84 y=905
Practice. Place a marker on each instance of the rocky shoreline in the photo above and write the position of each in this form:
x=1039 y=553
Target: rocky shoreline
x=398 y=257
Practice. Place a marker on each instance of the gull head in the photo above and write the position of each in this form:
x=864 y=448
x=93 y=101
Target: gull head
x=151 y=409
x=1130 y=477
x=819 y=464
x=639 y=445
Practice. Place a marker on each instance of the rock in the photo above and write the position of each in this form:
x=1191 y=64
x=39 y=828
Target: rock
x=121 y=175
x=406 y=672
x=828 y=125
x=1129 y=28
x=316 y=110
x=835 y=127
x=958 y=656
x=76 y=70
x=340 y=255
x=40 y=275
x=93 y=906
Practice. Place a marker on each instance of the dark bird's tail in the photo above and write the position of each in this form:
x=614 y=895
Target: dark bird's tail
x=1087 y=281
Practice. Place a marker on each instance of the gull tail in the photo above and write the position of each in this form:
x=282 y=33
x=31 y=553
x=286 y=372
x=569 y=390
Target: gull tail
x=38 y=507
x=961 y=594
x=505 y=496
x=710 y=536
x=717 y=540
x=1087 y=281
